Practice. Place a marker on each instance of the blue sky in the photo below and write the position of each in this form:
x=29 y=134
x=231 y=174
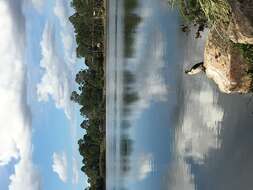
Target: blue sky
x=39 y=126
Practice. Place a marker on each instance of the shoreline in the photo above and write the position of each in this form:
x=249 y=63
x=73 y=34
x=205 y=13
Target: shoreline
x=228 y=52
x=90 y=23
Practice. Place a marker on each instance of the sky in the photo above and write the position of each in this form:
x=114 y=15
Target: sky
x=38 y=122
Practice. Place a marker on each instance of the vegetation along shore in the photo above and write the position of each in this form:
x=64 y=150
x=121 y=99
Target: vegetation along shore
x=228 y=57
x=89 y=21
x=89 y=24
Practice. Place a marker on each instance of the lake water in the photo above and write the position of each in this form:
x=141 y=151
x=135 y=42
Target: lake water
x=166 y=130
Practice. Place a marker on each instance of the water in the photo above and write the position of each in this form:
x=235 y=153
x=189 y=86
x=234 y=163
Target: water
x=166 y=130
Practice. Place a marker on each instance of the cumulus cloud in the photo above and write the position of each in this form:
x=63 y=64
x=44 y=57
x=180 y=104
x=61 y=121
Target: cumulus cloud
x=197 y=133
x=145 y=164
x=15 y=117
x=150 y=78
x=200 y=127
x=142 y=166
x=60 y=166
x=38 y=4
x=56 y=81
x=75 y=171
x=196 y=136
x=61 y=12
x=180 y=176
x=58 y=65
x=25 y=177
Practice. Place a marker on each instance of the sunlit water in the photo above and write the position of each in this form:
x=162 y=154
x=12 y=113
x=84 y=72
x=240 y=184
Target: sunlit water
x=180 y=133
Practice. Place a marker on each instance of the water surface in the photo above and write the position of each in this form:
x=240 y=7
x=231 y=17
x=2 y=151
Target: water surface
x=166 y=130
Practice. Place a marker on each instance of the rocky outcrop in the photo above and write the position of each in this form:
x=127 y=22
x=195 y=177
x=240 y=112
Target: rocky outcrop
x=226 y=66
x=240 y=29
x=226 y=61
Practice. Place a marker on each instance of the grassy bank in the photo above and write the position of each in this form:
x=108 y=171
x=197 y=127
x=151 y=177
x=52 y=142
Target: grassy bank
x=200 y=11
x=212 y=14
x=247 y=51
x=216 y=11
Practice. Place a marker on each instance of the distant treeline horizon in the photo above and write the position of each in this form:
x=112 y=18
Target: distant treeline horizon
x=89 y=24
x=89 y=21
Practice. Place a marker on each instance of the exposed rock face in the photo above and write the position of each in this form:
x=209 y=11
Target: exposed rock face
x=240 y=29
x=226 y=66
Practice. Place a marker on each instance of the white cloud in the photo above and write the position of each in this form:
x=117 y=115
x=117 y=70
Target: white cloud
x=15 y=117
x=60 y=166
x=150 y=78
x=145 y=164
x=200 y=122
x=67 y=41
x=142 y=166
x=59 y=65
x=38 y=4
x=196 y=135
x=61 y=12
x=180 y=177
x=25 y=177
x=200 y=127
x=75 y=172
x=56 y=81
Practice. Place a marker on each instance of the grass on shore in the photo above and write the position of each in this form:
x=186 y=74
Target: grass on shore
x=247 y=51
x=216 y=11
x=216 y=15
x=212 y=11
x=219 y=12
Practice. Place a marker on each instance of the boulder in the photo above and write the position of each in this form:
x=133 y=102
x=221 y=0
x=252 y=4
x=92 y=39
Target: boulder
x=240 y=29
x=226 y=66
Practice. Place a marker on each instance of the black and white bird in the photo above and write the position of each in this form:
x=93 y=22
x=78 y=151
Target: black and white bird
x=197 y=68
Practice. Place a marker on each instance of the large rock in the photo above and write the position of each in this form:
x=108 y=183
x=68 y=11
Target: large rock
x=240 y=29
x=226 y=66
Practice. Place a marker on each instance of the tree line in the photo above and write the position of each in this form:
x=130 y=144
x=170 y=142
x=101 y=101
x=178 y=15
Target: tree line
x=89 y=26
x=88 y=21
